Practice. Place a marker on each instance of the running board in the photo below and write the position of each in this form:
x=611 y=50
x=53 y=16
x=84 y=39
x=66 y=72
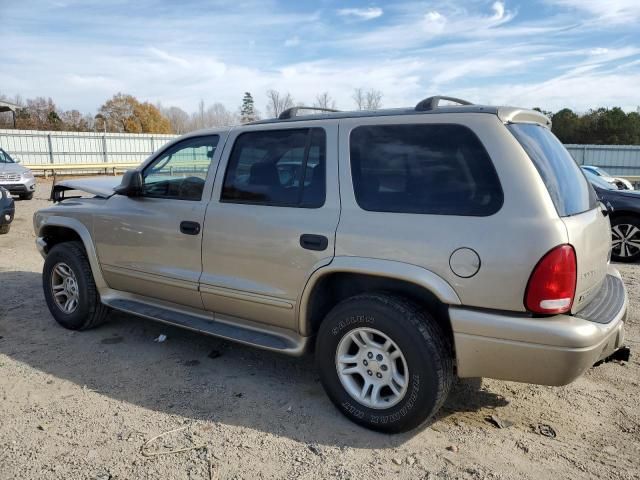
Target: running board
x=275 y=339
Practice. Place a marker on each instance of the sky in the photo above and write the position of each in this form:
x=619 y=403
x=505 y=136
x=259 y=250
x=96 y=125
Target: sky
x=551 y=54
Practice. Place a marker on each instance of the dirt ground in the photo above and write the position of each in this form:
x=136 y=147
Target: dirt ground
x=82 y=405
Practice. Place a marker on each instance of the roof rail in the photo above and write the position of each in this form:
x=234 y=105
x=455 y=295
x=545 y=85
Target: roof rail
x=293 y=111
x=432 y=103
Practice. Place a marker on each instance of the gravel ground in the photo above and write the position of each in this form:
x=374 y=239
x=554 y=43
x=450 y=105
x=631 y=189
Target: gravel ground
x=82 y=405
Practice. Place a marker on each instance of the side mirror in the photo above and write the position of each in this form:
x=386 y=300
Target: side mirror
x=17 y=160
x=131 y=184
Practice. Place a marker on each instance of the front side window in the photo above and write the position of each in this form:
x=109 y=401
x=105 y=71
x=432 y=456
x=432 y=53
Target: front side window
x=180 y=172
x=423 y=168
x=278 y=168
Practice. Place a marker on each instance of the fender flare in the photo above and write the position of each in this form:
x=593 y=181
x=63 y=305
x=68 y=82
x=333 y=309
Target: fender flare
x=376 y=267
x=82 y=231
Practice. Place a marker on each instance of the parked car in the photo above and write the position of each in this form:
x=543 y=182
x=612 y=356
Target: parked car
x=425 y=243
x=7 y=211
x=14 y=177
x=619 y=183
x=625 y=218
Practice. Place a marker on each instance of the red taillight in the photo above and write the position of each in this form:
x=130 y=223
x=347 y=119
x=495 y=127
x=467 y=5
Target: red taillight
x=552 y=285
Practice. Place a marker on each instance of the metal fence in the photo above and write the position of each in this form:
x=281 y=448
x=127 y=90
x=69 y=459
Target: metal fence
x=619 y=160
x=43 y=147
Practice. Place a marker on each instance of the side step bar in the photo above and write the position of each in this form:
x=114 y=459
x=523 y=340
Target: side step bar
x=278 y=340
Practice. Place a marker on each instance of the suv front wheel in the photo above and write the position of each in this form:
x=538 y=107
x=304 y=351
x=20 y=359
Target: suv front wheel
x=69 y=288
x=384 y=362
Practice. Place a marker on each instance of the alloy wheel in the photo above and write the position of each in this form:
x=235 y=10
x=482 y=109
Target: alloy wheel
x=625 y=240
x=372 y=368
x=64 y=288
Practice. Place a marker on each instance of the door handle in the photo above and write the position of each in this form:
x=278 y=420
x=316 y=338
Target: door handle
x=314 y=242
x=190 y=228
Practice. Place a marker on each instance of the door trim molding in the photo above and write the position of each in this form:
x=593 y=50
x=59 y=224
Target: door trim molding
x=151 y=277
x=246 y=296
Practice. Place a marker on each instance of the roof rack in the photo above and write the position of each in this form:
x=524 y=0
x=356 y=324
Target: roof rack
x=432 y=103
x=293 y=111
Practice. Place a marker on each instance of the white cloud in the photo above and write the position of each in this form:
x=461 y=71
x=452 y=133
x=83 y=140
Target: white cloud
x=292 y=42
x=605 y=11
x=361 y=13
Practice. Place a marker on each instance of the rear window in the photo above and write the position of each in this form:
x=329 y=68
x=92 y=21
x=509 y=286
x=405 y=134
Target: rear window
x=427 y=169
x=567 y=185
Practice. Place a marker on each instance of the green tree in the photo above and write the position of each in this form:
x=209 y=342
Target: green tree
x=247 y=110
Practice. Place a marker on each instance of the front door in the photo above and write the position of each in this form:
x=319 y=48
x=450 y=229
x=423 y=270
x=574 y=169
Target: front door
x=271 y=221
x=151 y=245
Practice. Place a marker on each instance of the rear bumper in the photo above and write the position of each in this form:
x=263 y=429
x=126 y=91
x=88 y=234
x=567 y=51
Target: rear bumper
x=547 y=351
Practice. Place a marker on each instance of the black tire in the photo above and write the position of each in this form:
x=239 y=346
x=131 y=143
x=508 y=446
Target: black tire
x=26 y=196
x=5 y=229
x=90 y=312
x=632 y=252
x=425 y=346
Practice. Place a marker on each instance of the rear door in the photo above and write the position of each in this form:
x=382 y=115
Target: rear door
x=576 y=202
x=271 y=221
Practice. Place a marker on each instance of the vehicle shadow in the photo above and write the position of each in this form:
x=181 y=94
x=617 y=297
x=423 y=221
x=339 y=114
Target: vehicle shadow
x=191 y=375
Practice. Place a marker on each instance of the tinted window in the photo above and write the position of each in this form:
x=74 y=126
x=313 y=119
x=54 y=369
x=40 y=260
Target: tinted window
x=180 y=172
x=430 y=169
x=277 y=167
x=567 y=186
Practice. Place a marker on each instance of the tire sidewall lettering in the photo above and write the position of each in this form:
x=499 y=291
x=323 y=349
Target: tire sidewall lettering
x=352 y=320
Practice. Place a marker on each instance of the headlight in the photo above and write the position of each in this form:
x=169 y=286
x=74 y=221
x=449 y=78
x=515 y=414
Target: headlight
x=28 y=175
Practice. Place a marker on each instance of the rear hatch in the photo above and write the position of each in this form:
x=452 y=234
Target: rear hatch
x=575 y=200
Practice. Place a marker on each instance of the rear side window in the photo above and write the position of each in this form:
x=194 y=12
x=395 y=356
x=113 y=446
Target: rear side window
x=277 y=167
x=567 y=185
x=420 y=168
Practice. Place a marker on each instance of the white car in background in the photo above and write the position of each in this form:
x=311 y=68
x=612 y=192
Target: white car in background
x=620 y=183
x=17 y=179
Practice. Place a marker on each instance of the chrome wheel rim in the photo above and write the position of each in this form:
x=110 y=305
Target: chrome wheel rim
x=372 y=368
x=64 y=288
x=625 y=240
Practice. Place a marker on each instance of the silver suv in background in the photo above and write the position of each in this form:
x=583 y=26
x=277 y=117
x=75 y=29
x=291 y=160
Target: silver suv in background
x=15 y=178
x=404 y=247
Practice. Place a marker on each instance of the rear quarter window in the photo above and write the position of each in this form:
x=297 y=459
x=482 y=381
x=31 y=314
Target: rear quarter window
x=569 y=189
x=440 y=169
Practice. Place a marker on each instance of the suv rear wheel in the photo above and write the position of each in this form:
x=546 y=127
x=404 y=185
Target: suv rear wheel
x=69 y=289
x=384 y=362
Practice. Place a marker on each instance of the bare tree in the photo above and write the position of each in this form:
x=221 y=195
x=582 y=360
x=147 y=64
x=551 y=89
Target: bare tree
x=324 y=100
x=218 y=116
x=367 y=100
x=178 y=118
x=278 y=102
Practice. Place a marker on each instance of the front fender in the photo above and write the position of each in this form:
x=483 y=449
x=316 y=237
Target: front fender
x=42 y=222
x=380 y=268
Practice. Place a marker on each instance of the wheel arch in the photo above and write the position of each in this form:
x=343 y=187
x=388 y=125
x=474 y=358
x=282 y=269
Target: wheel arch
x=55 y=230
x=348 y=276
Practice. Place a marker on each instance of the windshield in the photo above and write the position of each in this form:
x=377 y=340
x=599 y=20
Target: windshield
x=598 y=181
x=5 y=158
x=569 y=190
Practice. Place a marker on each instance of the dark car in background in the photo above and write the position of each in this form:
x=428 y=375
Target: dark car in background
x=7 y=210
x=624 y=207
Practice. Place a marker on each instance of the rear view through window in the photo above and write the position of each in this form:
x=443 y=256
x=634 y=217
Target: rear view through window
x=428 y=169
x=567 y=186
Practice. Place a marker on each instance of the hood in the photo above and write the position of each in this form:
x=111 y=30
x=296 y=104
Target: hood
x=12 y=168
x=99 y=186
